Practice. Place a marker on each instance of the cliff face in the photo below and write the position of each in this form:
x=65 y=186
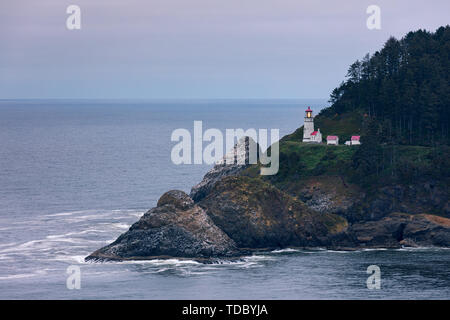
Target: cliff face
x=258 y=215
x=400 y=229
x=333 y=194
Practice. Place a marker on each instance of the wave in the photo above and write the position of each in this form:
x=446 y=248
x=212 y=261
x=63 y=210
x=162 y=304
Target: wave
x=160 y=262
x=288 y=250
x=133 y=212
x=81 y=232
x=422 y=249
x=23 y=275
x=69 y=213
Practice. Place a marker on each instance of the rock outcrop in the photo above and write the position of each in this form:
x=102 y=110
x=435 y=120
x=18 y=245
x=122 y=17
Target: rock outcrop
x=400 y=229
x=232 y=164
x=255 y=215
x=422 y=196
x=330 y=194
x=177 y=227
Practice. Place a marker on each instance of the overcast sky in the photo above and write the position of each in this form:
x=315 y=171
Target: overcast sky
x=195 y=48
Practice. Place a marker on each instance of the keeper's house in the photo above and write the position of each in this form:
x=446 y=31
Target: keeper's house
x=354 y=141
x=334 y=140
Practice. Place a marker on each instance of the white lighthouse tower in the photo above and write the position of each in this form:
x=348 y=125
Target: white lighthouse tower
x=309 y=134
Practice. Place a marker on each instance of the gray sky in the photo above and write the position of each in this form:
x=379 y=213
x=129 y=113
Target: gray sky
x=195 y=48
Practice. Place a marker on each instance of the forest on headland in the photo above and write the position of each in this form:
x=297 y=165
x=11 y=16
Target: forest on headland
x=404 y=87
x=398 y=100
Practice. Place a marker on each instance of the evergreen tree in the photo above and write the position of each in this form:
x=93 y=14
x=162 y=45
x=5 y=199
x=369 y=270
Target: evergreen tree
x=367 y=159
x=404 y=86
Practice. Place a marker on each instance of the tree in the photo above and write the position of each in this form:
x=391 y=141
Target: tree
x=405 y=86
x=367 y=159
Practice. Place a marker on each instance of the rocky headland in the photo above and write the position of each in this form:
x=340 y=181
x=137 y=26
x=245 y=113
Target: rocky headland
x=233 y=211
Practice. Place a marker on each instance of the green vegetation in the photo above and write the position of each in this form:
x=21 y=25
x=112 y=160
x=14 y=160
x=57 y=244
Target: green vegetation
x=299 y=161
x=404 y=88
x=398 y=101
x=343 y=125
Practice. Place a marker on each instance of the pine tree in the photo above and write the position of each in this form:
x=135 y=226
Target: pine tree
x=405 y=86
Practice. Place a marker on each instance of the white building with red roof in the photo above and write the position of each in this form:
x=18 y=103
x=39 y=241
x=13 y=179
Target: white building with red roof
x=355 y=140
x=334 y=140
x=309 y=133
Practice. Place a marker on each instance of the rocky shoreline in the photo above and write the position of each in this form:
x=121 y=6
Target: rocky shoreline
x=229 y=215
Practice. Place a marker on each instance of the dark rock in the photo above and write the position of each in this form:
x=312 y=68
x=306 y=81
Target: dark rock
x=414 y=199
x=399 y=229
x=387 y=232
x=380 y=207
x=175 y=228
x=177 y=198
x=330 y=194
x=428 y=230
x=257 y=215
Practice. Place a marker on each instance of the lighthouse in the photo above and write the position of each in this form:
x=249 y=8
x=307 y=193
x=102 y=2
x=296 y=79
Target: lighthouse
x=309 y=133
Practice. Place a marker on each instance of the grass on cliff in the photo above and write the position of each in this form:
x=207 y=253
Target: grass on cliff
x=344 y=126
x=300 y=161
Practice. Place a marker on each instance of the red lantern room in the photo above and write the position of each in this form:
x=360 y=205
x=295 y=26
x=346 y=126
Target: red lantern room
x=309 y=112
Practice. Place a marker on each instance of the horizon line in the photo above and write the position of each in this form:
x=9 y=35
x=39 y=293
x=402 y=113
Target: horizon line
x=156 y=99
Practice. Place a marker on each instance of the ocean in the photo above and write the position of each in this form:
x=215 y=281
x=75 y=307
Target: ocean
x=75 y=174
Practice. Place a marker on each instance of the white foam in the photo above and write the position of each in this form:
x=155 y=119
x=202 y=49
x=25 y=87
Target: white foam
x=8 y=244
x=69 y=213
x=18 y=276
x=258 y=257
x=159 y=262
x=23 y=275
x=422 y=249
x=71 y=259
x=285 y=250
x=121 y=226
